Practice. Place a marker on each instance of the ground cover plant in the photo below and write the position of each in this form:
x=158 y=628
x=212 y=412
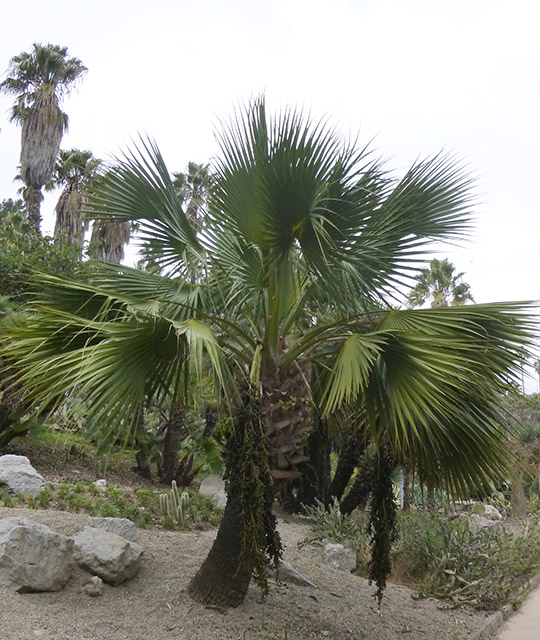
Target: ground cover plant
x=141 y=505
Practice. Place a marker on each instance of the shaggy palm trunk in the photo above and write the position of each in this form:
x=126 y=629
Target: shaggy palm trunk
x=287 y=415
x=41 y=135
x=108 y=241
x=69 y=226
x=247 y=538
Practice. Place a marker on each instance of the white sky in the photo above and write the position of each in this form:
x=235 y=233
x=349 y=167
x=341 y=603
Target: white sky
x=418 y=76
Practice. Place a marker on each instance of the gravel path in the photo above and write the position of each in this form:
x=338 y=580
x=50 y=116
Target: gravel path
x=155 y=606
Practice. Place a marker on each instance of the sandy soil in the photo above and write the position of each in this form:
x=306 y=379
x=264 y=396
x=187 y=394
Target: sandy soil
x=154 y=605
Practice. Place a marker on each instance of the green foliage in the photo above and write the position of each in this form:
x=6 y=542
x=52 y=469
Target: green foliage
x=330 y=524
x=23 y=253
x=141 y=505
x=442 y=557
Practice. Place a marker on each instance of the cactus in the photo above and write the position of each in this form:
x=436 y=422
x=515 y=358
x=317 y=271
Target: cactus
x=174 y=504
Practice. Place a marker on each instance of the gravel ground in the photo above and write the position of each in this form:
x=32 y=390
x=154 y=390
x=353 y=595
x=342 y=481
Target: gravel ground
x=155 y=606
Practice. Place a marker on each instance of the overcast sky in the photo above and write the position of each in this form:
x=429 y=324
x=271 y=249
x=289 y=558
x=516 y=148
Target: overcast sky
x=415 y=76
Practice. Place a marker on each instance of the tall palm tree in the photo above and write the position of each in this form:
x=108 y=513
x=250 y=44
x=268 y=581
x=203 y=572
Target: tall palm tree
x=193 y=188
x=75 y=171
x=305 y=239
x=441 y=285
x=40 y=79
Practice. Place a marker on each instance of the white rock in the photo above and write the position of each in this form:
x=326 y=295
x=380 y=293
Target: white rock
x=220 y=498
x=492 y=513
x=20 y=476
x=287 y=573
x=339 y=557
x=101 y=485
x=111 y=557
x=32 y=557
x=94 y=587
x=121 y=526
x=211 y=485
x=478 y=522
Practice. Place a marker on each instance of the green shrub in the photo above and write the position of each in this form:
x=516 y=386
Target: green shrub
x=442 y=557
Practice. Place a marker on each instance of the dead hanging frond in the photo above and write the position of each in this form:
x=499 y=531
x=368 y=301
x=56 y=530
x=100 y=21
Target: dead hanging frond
x=382 y=523
x=108 y=240
x=70 y=225
x=42 y=132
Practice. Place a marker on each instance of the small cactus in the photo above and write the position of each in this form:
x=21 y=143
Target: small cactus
x=174 y=504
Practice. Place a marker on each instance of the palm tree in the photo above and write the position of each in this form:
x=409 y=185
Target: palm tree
x=75 y=170
x=305 y=239
x=441 y=285
x=40 y=79
x=193 y=188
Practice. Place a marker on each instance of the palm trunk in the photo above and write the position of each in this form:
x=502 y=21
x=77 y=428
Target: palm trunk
x=247 y=536
x=172 y=442
x=32 y=200
x=224 y=576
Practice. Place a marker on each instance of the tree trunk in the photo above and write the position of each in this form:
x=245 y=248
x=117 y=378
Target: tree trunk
x=32 y=200
x=517 y=494
x=349 y=457
x=172 y=442
x=247 y=538
x=224 y=576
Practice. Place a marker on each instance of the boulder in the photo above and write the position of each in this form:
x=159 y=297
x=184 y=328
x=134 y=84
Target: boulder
x=32 y=557
x=121 y=526
x=492 y=513
x=287 y=573
x=339 y=557
x=211 y=485
x=20 y=476
x=478 y=522
x=107 y=555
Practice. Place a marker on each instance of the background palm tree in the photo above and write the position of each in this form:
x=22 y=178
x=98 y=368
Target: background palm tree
x=75 y=171
x=40 y=79
x=440 y=285
x=193 y=188
x=305 y=239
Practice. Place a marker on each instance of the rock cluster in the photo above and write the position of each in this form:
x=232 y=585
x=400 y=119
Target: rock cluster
x=35 y=558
